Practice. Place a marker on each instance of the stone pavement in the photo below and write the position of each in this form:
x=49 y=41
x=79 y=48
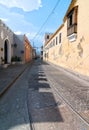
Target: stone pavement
x=33 y=99
x=9 y=75
x=12 y=72
x=47 y=110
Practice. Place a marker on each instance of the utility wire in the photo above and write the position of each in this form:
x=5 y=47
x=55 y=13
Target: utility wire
x=47 y=19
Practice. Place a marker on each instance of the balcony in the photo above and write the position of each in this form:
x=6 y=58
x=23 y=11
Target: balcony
x=72 y=29
x=72 y=32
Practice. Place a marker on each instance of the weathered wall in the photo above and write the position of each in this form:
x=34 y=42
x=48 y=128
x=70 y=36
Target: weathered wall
x=22 y=48
x=73 y=55
x=28 y=50
x=19 y=47
x=5 y=35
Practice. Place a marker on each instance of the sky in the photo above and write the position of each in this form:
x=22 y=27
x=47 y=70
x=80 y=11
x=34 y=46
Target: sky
x=33 y=17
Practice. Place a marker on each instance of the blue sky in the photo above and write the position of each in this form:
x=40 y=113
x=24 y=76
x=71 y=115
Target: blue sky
x=27 y=17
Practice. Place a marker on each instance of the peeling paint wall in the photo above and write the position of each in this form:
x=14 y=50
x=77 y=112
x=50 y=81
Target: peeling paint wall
x=73 y=55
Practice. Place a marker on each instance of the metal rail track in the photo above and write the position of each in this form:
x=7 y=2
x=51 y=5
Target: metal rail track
x=68 y=104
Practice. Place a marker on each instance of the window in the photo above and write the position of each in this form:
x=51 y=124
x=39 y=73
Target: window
x=53 y=41
x=56 y=40
x=47 y=36
x=72 y=21
x=59 y=37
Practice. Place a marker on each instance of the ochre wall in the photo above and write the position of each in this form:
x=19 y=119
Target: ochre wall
x=73 y=55
x=28 y=50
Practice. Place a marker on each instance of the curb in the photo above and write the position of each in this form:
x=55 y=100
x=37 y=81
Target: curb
x=76 y=74
x=14 y=80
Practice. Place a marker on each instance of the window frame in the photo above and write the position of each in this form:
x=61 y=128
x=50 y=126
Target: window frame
x=72 y=21
x=56 y=40
x=60 y=37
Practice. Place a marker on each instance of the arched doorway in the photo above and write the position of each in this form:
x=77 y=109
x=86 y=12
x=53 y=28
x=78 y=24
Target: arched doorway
x=7 y=52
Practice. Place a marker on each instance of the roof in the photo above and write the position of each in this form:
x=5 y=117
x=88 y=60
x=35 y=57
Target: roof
x=54 y=34
x=69 y=9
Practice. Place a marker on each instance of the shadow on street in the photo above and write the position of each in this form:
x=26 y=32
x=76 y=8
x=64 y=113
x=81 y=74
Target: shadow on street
x=42 y=104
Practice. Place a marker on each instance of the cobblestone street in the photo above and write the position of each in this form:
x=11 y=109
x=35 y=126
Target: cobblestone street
x=34 y=101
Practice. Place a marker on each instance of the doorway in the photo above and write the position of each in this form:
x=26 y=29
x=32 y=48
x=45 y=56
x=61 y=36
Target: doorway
x=6 y=44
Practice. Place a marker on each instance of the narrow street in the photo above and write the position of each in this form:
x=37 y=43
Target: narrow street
x=38 y=101
x=44 y=65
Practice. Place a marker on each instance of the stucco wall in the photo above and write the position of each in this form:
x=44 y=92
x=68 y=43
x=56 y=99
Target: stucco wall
x=19 y=49
x=5 y=34
x=23 y=48
x=73 y=55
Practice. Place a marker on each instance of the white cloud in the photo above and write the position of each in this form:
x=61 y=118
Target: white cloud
x=26 y=5
x=18 y=32
x=4 y=19
x=18 y=23
x=31 y=35
x=38 y=39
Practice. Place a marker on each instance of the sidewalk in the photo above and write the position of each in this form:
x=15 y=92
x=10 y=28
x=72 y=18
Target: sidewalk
x=9 y=75
x=72 y=73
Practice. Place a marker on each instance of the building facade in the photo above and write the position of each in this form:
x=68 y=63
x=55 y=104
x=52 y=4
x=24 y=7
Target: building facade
x=28 y=50
x=22 y=48
x=13 y=47
x=69 y=45
x=6 y=42
x=41 y=53
x=47 y=37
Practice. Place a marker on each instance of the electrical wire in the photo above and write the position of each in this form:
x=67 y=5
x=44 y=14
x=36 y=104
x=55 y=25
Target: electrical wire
x=47 y=19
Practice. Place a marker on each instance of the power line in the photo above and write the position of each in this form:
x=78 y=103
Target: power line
x=47 y=19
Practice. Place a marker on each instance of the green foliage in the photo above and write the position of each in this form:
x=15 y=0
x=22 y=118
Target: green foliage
x=15 y=58
x=2 y=59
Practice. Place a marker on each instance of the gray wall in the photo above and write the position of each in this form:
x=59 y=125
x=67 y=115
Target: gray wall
x=6 y=34
x=18 y=46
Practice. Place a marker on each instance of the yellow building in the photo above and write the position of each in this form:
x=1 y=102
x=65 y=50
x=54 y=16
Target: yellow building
x=28 y=50
x=69 y=45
